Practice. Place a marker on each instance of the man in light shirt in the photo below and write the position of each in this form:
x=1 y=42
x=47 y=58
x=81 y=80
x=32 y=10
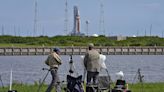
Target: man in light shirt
x=92 y=65
x=54 y=61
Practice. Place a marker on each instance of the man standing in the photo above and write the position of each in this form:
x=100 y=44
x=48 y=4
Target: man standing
x=53 y=61
x=92 y=65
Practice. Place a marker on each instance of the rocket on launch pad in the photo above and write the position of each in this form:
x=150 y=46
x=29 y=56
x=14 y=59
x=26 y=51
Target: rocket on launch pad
x=76 y=25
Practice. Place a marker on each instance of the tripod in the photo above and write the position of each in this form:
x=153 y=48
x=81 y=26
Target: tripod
x=72 y=67
x=43 y=79
x=140 y=77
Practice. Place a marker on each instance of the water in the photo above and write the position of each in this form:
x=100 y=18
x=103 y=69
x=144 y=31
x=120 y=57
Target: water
x=28 y=69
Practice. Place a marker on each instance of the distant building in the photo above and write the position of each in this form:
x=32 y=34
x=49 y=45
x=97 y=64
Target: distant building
x=118 y=38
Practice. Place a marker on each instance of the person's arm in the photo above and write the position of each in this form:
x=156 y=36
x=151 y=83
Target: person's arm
x=47 y=61
x=57 y=58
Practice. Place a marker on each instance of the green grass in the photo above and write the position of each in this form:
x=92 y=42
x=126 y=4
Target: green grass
x=15 y=45
x=24 y=88
x=146 y=87
x=18 y=41
x=18 y=45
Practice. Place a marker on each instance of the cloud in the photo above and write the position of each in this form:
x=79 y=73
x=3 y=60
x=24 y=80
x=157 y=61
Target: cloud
x=152 y=6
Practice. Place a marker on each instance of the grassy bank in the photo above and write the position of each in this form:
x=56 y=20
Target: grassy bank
x=146 y=87
x=24 y=88
x=15 y=41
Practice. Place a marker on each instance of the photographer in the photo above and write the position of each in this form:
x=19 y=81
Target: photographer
x=91 y=63
x=53 y=61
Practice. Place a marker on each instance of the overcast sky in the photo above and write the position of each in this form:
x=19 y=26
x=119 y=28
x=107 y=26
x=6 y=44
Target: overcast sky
x=121 y=17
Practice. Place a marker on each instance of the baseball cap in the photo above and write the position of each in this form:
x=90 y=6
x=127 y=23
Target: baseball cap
x=56 y=50
x=90 y=45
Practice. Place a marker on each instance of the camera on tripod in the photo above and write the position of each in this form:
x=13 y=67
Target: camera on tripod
x=71 y=65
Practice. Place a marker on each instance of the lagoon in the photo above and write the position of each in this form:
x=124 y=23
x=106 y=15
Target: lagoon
x=28 y=69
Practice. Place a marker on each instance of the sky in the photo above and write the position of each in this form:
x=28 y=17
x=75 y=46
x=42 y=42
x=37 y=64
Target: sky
x=121 y=17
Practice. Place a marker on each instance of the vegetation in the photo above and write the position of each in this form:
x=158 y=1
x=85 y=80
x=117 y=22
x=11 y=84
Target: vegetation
x=24 y=88
x=78 y=41
x=146 y=87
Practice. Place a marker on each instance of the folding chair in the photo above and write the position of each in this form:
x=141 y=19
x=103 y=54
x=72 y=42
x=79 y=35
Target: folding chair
x=74 y=84
x=104 y=83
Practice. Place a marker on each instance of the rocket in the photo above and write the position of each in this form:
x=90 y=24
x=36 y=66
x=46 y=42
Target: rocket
x=76 y=28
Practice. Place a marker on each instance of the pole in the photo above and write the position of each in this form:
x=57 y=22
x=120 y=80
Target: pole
x=11 y=74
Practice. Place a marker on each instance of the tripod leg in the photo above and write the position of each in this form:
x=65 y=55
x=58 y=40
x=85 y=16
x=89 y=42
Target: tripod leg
x=108 y=74
x=75 y=69
x=110 y=80
x=1 y=81
x=43 y=81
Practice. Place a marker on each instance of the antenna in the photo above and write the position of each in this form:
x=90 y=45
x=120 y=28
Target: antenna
x=43 y=31
x=162 y=33
x=66 y=18
x=35 y=19
x=19 y=31
x=87 y=23
x=137 y=33
x=150 y=29
x=15 y=31
x=102 y=28
x=145 y=31
x=3 y=30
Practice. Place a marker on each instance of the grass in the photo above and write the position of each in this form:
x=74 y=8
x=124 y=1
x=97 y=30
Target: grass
x=18 y=45
x=146 y=87
x=24 y=88
x=8 y=40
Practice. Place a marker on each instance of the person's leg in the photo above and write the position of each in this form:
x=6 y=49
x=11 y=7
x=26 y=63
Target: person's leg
x=95 y=77
x=57 y=83
x=89 y=77
x=55 y=78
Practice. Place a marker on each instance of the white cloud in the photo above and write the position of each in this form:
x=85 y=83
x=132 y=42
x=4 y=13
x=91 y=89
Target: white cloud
x=152 y=6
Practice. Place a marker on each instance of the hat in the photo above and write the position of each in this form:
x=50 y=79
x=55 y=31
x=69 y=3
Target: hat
x=56 y=50
x=120 y=75
x=90 y=45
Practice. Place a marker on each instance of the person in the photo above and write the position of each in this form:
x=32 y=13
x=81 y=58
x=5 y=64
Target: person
x=53 y=61
x=121 y=85
x=92 y=65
